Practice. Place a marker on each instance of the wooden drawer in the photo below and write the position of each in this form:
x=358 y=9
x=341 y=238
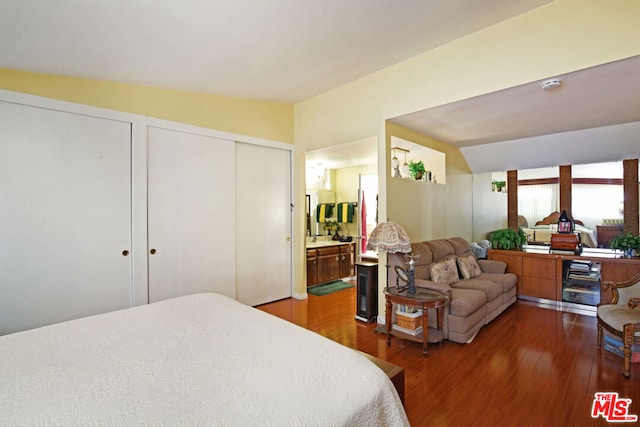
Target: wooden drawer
x=330 y=250
x=346 y=248
x=539 y=288
x=542 y=268
x=311 y=253
x=514 y=262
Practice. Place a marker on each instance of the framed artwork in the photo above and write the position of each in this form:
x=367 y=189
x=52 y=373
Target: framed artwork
x=564 y=227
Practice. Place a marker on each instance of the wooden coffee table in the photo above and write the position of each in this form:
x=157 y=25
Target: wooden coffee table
x=424 y=300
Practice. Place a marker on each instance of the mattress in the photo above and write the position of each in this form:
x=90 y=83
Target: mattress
x=195 y=360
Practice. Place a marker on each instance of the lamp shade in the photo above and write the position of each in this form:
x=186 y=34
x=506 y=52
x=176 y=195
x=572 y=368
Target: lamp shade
x=389 y=237
x=395 y=162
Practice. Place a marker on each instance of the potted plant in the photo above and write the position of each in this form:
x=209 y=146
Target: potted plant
x=500 y=185
x=508 y=238
x=626 y=243
x=331 y=224
x=417 y=169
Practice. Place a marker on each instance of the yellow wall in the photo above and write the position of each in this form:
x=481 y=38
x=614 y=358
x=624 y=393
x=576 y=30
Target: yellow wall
x=347 y=181
x=557 y=38
x=427 y=210
x=259 y=119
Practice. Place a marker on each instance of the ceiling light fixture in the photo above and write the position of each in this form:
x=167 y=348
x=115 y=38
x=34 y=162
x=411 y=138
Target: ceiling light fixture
x=551 y=84
x=395 y=163
x=405 y=167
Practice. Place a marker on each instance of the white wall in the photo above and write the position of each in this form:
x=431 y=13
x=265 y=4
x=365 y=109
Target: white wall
x=489 y=207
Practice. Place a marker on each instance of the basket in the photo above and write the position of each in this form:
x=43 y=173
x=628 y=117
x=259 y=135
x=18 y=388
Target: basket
x=409 y=320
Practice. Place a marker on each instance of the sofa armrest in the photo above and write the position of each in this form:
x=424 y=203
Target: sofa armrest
x=434 y=286
x=492 y=266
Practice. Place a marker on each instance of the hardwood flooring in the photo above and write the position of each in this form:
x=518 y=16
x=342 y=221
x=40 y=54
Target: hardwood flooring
x=531 y=366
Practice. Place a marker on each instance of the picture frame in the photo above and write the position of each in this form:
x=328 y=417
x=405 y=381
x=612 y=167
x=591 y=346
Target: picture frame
x=565 y=227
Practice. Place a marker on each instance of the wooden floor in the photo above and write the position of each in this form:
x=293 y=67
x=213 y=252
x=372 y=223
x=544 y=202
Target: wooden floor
x=529 y=367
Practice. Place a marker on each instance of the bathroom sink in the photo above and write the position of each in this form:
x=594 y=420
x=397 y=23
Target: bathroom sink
x=320 y=244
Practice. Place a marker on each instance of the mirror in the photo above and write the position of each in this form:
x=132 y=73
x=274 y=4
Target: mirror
x=597 y=199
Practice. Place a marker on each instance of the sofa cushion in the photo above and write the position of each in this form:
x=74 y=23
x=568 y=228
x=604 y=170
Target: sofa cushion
x=491 y=289
x=423 y=261
x=440 y=249
x=506 y=280
x=468 y=266
x=444 y=271
x=460 y=246
x=466 y=301
x=492 y=266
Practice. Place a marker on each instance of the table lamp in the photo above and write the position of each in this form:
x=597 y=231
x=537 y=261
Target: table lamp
x=389 y=237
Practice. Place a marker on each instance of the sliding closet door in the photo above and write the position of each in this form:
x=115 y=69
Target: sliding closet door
x=191 y=214
x=65 y=216
x=263 y=218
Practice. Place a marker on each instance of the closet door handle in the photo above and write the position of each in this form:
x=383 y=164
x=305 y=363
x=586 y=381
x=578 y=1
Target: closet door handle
x=125 y=253
x=152 y=251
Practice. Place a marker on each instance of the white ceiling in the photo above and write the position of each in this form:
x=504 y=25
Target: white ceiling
x=605 y=95
x=290 y=50
x=592 y=117
x=275 y=50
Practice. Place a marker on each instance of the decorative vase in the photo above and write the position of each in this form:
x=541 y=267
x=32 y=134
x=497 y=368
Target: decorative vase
x=630 y=253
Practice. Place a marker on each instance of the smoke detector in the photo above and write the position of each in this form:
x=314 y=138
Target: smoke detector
x=550 y=84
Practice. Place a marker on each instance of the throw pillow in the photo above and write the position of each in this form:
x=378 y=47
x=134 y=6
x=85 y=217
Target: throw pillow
x=444 y=271
x=469 y=266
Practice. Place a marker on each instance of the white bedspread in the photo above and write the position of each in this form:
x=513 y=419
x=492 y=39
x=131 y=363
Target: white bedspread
x=197 y=360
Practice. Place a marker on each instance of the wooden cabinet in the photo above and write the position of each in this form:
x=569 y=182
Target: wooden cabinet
x=540 y=274
x=539 y=277
x=328 y=263
x=312 y=267
x=347 y=255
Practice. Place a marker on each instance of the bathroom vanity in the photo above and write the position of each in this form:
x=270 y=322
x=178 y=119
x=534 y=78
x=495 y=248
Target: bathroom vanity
x=329 y=260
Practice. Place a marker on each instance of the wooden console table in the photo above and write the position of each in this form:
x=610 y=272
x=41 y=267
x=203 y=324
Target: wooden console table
x=539 y=270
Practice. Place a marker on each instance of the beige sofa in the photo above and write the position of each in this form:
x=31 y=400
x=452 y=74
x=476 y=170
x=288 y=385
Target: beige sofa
x=473 y=301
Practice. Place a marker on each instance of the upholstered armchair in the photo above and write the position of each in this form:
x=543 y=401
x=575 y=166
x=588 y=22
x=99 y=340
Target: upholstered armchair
x=621 y=316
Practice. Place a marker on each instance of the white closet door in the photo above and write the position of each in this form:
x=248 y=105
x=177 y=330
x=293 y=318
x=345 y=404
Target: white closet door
x=65 y=216
x=263 y=218
x=191 y=214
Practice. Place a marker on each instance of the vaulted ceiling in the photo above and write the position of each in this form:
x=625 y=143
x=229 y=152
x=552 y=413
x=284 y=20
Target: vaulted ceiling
x=274 y=50
x=290 y=50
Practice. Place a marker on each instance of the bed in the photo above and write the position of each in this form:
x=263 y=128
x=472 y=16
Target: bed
x=543 y=229
x=201 y=359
